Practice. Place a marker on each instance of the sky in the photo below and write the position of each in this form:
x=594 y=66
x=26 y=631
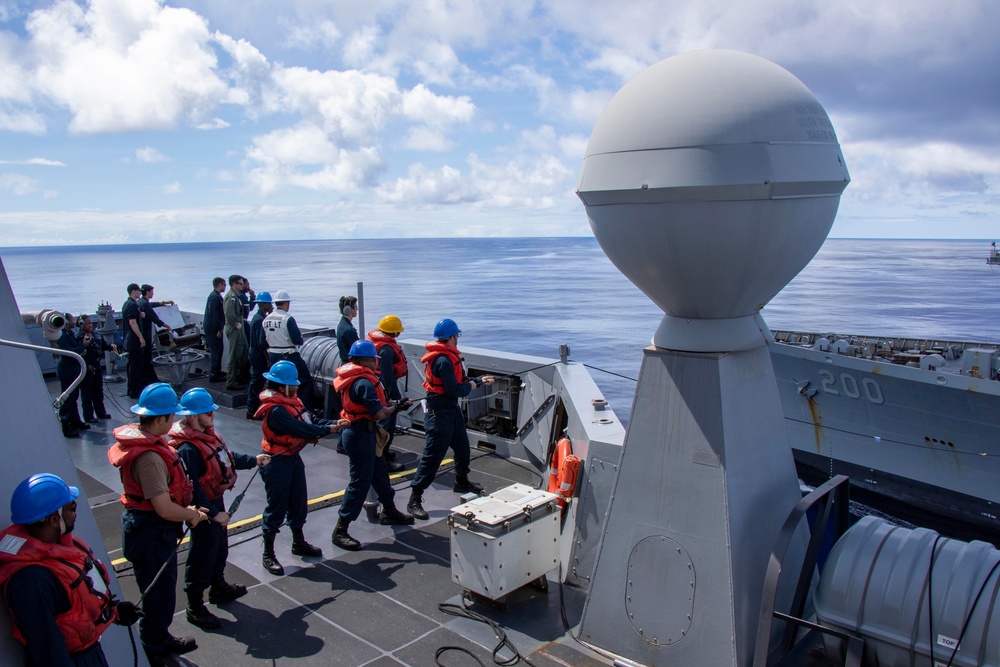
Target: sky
x=142 y=121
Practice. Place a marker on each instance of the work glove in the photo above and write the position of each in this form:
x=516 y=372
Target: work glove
x=128 y=613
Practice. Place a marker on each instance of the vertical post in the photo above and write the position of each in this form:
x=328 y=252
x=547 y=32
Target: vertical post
x=361 y=310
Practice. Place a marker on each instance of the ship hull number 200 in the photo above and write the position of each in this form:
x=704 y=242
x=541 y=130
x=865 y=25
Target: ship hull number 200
x=848 y=385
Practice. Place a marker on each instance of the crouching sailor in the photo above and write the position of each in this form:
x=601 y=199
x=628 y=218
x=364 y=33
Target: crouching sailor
x=156 y=499
x=364 y=403
x=56 y=591
x=288 y=428
x=211 y=467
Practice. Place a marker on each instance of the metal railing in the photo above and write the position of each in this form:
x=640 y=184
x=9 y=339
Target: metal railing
x=831 y=501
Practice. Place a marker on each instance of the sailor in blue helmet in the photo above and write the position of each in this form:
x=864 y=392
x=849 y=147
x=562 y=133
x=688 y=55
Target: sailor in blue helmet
x=57 y=615
x=211 y=466
x=157 y=498
x=288 y=427
x=364 y=405
x=446 y=381
x=259 y=362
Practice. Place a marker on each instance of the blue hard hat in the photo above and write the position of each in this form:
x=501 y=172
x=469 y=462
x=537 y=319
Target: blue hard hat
x=196 y=401
x=156 y=400
x=446 y=328
x=39 y=496
x=363 y=348
x=264 y=297
x=283 y=372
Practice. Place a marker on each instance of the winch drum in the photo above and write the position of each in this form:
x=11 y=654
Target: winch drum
x=880 y=581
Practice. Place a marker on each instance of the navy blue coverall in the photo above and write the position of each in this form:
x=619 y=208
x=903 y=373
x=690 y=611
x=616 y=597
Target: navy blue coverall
x=206 y=560
x=366 y=469
x=285 y=476
x=68 y=368
x=444 y=426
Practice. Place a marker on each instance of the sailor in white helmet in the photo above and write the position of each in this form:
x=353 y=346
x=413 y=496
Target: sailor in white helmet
x=283 y=340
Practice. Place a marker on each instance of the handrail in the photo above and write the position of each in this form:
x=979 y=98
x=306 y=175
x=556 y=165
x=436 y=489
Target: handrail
x=832 y=498
x=54 y=350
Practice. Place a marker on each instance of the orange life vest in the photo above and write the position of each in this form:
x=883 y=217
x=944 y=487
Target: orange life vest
x=280 y=444
x=91 y=610
x=433 y=383
x=563 y=471
x=130 y=442
x=220 y=466
x=347 y=375
x=382 y=339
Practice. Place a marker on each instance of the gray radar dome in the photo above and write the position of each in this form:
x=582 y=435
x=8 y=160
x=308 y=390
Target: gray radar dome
x=710 y=180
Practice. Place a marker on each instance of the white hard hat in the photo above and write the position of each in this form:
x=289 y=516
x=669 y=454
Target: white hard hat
x=281 y=295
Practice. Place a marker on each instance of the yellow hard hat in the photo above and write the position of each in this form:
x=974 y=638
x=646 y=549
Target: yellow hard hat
x=390 y=324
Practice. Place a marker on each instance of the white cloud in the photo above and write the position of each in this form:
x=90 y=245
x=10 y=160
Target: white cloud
x=421 y=138
x=213 y=124
x=27 y=122
x=305 y=156
x=149 y=155
x=125 y=64
x=18 y=184
x=41 y=161
x=172 y=188
x=322 y=33
x=421 y=105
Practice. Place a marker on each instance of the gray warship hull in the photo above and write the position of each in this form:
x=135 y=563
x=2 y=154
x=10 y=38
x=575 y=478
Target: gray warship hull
x=920 y=443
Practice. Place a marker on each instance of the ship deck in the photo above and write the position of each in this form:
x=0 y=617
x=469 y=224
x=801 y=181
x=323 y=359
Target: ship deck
x=378 y=606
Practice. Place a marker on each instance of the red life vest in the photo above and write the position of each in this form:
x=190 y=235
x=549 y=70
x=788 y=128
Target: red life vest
x=347 y=375
x=381 y=339
x=130 y=442
x=220 y=466
x=273 y=443
x=433 y=383
x=70 y=560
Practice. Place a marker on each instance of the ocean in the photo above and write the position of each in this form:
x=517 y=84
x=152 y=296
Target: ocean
x=528 y=295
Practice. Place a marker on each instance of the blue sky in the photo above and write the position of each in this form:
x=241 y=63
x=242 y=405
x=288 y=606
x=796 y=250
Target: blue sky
x=132 y=121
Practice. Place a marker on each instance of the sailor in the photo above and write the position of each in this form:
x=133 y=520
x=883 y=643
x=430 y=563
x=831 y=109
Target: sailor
x=56 y=591
x=444 y=424
x=134 y=341
x=248 y=297
x=68 y=369
x=392 y=367
x=148 y=318
x=288 y=427
x=365 y=405
x=259 y=362
x=238 y=361
x=283 y=338
x=92 y=387
x=346 y=333
x=157 y=496
x=212 y=324
x=211 y=466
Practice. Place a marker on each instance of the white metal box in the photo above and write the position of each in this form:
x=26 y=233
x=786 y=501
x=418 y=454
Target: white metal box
x=505 y=540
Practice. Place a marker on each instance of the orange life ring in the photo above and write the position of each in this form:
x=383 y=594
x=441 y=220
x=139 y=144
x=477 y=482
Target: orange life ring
x=563 y=471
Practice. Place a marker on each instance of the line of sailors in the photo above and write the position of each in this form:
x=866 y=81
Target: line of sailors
x=174 y=477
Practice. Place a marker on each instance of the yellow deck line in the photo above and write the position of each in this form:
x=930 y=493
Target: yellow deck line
x=315 y=501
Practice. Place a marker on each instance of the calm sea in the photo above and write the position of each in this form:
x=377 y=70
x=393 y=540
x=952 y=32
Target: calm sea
x=528 y=295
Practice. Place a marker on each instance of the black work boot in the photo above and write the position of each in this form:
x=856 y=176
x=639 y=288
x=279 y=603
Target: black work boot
x=391 y=516
x=269 y=560
x=198 y=614
x=414 y=507
x=225 y=592
x=342 y=539
x=302 y=548
x=465 y=485
x=371 y=511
